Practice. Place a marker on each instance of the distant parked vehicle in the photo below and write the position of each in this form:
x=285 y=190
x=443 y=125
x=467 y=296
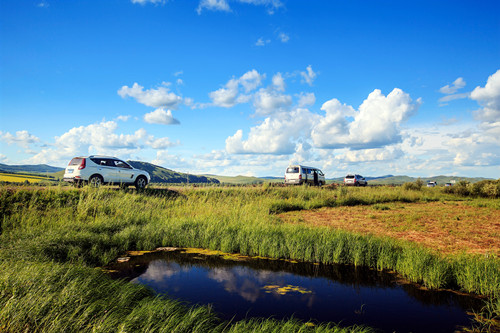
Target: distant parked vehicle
x=431 y=184
x=448 y=184
x=301 y=174
x=98 y=170
x=355 y=180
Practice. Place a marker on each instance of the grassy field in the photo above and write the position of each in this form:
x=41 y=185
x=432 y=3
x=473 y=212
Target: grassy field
x=444 y=227
x=53 y=239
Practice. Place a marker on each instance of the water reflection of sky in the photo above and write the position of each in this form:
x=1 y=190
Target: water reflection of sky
x=239 y=291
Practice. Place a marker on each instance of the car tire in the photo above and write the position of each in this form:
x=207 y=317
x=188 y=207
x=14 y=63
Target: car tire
x=96 y=181
x=141 y=182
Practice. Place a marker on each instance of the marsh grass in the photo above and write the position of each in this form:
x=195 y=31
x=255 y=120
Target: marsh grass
x=57 y=235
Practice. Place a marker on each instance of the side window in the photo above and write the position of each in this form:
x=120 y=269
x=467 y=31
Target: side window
x=107 y=162
x=121 y=164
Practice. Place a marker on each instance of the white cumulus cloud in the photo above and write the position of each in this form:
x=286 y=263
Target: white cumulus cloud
x=480 y=146
x=306 y=99
x=157 y=98
x=230 y=94
x=123 y=118
x=98 y=138
x=267 y=102
x=371 y=155
x=261 y=42
x=213 y=5
x=160 y=116
x=143 y=2
x=226 y=97
x=448 y=89
x=309 y=75
x=160 y=143
x=222 y=5
x=376 y=124
x=283 y=37
x=278 y=82
x=277 y=134
x=20 y=138
x=489 y=98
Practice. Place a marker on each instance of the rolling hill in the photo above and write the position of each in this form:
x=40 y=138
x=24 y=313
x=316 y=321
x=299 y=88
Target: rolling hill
x=400 y=180
x=163 y=175
x=237 y=180
x=38 y=168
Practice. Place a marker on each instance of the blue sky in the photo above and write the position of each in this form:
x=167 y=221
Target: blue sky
x=246 y=87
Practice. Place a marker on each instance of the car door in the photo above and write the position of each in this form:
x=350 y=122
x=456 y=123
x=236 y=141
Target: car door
x=125 y=173
x=104 y=167
x=108 y=170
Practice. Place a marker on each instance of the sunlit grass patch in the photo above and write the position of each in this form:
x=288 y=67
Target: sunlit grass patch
x=18 y=178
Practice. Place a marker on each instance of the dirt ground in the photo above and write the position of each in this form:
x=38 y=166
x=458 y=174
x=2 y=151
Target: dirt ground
x=447 y=227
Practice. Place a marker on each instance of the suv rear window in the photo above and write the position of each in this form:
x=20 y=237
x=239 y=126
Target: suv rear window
x=76 y=161
x=349 y=176
x=292 y=170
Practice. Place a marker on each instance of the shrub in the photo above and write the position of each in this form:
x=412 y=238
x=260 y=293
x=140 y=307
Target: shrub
x=483 y=188
x=414 y=186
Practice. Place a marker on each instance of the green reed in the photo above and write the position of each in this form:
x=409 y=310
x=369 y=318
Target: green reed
x=72 y=230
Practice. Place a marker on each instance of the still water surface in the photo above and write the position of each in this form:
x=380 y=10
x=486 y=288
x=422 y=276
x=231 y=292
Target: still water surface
x=281 y=289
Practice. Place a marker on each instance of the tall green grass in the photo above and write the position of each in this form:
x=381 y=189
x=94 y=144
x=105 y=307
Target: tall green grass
x=74 y=230
x=50 y=297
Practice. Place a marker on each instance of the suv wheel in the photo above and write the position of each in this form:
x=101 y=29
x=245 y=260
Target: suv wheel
x=141 y=182
x=95 y=181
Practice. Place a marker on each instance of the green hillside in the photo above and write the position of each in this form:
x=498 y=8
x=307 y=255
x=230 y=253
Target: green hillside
x=394 y=180
x=238 y=180
x=163 y=175
x=38 y=168
x=440 y=180
x=57 y=175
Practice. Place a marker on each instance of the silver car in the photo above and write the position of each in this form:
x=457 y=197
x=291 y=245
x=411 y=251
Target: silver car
x=355 y=180
x=98 y=170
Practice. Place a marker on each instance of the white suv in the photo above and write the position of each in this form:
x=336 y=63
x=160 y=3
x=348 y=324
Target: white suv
x=97 y=170
x=355 y=180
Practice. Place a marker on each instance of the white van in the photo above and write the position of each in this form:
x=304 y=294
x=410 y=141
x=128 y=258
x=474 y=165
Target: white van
x=300 y=174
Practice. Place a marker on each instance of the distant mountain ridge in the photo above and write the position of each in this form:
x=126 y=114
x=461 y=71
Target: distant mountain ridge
x=399 y=180
x=39 y=168
x=163 y=175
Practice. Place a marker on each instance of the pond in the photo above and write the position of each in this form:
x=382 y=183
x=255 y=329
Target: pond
x=241 y=287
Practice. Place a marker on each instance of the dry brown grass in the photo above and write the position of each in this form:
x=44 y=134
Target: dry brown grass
x=446 y=227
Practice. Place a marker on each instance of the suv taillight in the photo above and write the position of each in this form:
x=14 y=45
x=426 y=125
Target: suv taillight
x=300 y=176
x=82 y=165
